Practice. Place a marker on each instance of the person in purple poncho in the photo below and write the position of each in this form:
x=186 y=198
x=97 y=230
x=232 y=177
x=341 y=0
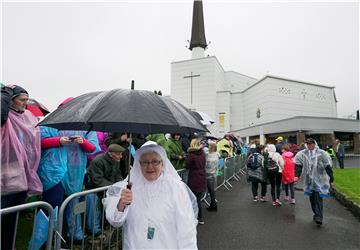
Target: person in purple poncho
x=20 y=156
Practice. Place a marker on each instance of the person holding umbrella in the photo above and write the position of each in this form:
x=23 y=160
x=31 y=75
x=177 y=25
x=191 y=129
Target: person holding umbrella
x=158 y=212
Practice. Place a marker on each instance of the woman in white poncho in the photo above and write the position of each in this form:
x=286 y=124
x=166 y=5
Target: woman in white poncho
x=157 y=213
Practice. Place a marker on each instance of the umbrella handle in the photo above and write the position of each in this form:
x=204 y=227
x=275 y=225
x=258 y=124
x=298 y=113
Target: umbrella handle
x=129 y=185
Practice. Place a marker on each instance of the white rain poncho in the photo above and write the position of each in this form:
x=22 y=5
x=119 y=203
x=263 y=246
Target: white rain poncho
x=314 y=174
x=165 y=206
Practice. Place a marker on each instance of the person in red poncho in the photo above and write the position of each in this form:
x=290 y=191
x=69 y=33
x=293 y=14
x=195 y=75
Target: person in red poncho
x=288 y=173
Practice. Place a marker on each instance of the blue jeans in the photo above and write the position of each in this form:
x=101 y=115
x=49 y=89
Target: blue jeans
x=184 y=175
x=92 y=217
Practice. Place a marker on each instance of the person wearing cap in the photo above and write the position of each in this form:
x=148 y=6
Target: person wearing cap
x=20 y=156
x=158 y=212
x=104 y=170
x=314 y=166
x=122 y=139
x=279 y=144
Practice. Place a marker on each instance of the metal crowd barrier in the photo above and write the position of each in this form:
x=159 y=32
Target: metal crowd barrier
x=105 y=239
x=232 y=168
x=36 y=205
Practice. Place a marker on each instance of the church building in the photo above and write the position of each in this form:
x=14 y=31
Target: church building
x=256 y=108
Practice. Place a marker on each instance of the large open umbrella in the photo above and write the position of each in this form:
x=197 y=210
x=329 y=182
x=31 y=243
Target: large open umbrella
x=123 y=110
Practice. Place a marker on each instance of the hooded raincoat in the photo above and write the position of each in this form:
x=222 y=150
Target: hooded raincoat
x=66 y=164
x=275 y=156
x=174 y=150
x=166 y=206
x=288 y=172
x=313 y=164
x=20 y=154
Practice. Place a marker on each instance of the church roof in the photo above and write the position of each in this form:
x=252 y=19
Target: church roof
x=198 y=38
x=235 y=72
x=287 y=79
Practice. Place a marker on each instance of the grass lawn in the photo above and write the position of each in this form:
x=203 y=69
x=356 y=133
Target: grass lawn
x=347 y=181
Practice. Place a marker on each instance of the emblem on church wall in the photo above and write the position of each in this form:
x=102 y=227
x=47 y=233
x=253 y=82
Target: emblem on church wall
x=258 y=113
x=303 y=93
x=284 y=91
x=320 y=96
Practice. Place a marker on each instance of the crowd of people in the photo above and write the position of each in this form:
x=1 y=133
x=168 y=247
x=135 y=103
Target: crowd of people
x=169 y=175
x=53 y=164
x=277 y=165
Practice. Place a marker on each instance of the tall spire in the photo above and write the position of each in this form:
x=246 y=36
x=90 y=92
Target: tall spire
x=198 y=39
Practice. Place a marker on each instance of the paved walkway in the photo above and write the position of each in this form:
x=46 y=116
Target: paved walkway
x=241 y=223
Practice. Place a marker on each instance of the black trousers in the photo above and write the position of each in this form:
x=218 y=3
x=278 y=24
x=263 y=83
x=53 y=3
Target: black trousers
x=8 y=220
x=317 y=205
x=198 y=199
x=275 y=182
x=341 y=161
x=255 y=186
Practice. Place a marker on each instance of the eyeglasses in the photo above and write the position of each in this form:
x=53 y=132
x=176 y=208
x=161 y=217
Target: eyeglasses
x=23 y=99
x=154 y=163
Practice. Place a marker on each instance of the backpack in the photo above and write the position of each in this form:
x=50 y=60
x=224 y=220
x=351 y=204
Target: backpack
x=272 y=166
x=254 y=161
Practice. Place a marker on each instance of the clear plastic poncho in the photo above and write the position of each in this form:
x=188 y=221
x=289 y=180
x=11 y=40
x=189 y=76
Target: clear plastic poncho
x=53 y=162
x=76 y=160
x=314 y=174
x=20 y=154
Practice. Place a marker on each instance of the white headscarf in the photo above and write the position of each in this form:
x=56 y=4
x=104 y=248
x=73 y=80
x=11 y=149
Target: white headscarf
x=168 y=171
x=136 y=175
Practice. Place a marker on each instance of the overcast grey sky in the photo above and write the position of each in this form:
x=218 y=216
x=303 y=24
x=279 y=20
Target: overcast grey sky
x=57 y=50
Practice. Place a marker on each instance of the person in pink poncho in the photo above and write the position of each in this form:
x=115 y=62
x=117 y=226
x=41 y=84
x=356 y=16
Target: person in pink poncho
x=20 y=156
x=288 y=173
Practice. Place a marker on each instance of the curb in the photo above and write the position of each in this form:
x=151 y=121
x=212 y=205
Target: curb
x=353 y=207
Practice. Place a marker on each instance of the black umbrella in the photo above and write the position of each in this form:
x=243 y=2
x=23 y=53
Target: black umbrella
x=124 y=110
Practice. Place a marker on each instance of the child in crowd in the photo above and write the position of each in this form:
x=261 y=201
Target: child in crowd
x=288 y=173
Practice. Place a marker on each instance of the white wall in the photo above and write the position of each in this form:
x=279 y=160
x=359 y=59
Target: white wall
x=204 y=86
x=237 y=111
x=223 y=101
x=279 y=99
x=235 y=81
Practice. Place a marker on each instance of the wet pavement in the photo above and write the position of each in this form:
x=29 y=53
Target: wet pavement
x=241 y=223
